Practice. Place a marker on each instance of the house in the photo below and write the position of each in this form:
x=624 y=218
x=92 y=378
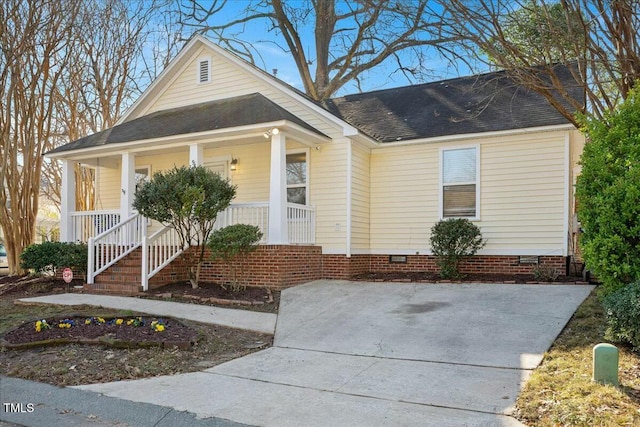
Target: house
x=339 y=188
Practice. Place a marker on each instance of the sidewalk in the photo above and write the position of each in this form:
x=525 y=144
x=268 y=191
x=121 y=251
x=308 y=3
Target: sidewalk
x=69 y=407
x=241 y=319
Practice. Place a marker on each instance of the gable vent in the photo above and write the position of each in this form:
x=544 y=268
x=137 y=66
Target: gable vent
x=204 y=71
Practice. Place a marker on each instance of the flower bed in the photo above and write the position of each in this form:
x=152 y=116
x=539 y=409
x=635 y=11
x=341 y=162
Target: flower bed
x=135 y=331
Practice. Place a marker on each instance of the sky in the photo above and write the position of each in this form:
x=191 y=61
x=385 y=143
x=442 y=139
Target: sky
x=269 y=56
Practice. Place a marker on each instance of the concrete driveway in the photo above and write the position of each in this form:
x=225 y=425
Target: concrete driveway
x=372 y=354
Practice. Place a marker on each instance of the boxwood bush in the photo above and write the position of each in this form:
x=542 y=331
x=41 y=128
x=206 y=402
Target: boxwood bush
x=452 y=240
x=622 y=308
x=47 y=257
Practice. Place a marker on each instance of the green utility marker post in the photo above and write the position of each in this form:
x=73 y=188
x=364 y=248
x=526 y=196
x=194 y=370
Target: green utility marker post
x=605 y=364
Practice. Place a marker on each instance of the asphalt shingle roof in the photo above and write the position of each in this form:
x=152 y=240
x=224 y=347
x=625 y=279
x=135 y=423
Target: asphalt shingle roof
x=219 y=114
x=482 y=103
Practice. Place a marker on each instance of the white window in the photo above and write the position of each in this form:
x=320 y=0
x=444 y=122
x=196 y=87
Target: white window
x=297 y=177
x=459 y=190
x=142 y=175
x=204 y=70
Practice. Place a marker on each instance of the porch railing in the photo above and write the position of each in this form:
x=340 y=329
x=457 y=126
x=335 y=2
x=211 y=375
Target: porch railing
x=246 y=213
x=86 y=224
x=112 y=245
x=158 y=250
x=301 y=221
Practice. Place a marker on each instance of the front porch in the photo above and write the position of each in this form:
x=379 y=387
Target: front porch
x=111 y=240
x=273 y=169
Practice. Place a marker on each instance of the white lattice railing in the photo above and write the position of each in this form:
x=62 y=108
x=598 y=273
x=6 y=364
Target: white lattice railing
x=158 y=250
x=86 y=224
x=110 y=246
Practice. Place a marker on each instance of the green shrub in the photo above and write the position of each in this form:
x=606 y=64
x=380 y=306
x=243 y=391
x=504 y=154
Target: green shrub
x=623 y=315
x=452 y=240
x=47 y=257
x=233 y=244
x=609 y=196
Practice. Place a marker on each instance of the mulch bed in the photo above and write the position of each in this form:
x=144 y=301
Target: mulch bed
x=251 y=297
x=103 y=331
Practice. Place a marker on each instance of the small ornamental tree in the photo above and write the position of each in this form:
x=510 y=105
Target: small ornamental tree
x=233 y=244
x=608 y=195
x=188 y=199
x=451 y=241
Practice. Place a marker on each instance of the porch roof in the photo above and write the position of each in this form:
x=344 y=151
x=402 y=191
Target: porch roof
x=219 y=114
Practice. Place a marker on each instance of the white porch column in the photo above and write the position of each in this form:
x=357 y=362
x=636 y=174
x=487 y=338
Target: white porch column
x=196 y=155
x=278 y=230
x=127 y=184
x=67 y=201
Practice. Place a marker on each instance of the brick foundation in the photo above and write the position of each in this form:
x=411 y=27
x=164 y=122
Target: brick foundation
x=339 y=266
x=281 y=266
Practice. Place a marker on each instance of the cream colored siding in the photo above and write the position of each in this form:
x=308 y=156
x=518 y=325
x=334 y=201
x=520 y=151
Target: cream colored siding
x=360 y=198
x=522 y=194
x=227 y=81
x=252 y=175
x=108 y=191
x=327 y=191
x=404 y=196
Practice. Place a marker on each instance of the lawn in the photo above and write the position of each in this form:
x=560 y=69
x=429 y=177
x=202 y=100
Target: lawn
x=560 y=392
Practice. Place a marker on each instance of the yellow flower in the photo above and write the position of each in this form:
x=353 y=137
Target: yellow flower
x=87 y=321
x=100 y=319
x=159 y=328
x=38 y=326
x=130 y=322
x=119 y=321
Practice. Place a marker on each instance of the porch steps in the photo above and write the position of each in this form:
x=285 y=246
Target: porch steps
x=124 y=277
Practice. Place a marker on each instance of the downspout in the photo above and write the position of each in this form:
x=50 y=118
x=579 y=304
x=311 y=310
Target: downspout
x=349 y=181
x=567 y=193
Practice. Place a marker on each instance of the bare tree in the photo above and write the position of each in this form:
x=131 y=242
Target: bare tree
x=599 y=39
x=35 y=41
x=108 y=70
x=68 y=68
x=350 y=37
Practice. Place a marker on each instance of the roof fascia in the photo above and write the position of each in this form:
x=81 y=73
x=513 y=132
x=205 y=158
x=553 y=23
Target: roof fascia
x=492 y=134
x=306 y=136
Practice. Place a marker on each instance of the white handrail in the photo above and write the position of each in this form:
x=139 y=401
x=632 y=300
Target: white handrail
x=158 y=251
x=112 y=245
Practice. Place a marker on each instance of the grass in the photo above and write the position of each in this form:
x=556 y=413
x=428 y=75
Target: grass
x=76 y=364
x=560 y=392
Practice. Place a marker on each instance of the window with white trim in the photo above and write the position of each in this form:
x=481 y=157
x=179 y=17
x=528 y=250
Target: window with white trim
x=460 y=175
x=142 y=175
x=297 y=177
x=204 y=70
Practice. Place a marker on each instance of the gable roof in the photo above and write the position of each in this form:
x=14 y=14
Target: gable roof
x=482 y=103
x=220 y=114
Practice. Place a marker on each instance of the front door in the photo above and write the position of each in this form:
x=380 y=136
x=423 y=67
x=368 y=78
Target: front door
x=219 y=167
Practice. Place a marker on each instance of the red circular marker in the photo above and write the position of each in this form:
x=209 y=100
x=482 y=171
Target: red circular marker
x=67 y=275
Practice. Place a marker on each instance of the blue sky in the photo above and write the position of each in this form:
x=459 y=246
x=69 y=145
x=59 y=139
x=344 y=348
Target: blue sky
x=272 y=57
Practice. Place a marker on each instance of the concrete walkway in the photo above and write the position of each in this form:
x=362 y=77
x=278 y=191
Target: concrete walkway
x=241 y=319
x=371 y=354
